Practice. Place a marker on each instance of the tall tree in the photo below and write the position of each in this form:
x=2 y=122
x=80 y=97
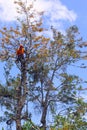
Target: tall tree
x=15 y=92
x=55 y=85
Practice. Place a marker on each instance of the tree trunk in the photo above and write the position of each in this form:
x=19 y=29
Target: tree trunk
x=43 y=118
x=18 y=110
x=44 y=111
x=18 y=124
x=21 y=95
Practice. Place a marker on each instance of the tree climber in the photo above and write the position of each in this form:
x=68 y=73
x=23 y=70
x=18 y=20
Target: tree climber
x=20 y=53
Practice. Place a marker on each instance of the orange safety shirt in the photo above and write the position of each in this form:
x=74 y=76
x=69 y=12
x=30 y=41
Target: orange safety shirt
x=20 y=51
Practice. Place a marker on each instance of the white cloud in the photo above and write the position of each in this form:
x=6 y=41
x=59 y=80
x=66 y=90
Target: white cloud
x=7 y=10
x=54 y=10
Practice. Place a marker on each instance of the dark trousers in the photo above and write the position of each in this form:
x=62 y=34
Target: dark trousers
x=20 y=57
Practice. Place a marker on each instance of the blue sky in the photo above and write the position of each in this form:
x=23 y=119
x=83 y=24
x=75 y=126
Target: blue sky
x=79 y=7
x=60 y=13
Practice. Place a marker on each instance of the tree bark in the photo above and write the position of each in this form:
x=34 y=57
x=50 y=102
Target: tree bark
x=18 y=109
x=44 y=107
x=44 y=111
x=18 y=124
x=21 y=95
x=43 y=118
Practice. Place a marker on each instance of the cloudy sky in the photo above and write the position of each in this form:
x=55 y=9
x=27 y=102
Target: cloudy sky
x=60 y=13
x=54 y=9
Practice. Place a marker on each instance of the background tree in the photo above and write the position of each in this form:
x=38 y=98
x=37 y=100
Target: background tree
x=55 y=85
x=74 y=119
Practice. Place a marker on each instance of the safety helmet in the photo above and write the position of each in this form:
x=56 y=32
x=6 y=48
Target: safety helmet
x=21 y=45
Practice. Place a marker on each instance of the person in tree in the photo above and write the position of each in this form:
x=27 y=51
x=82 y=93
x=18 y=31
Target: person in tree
x=20 y=53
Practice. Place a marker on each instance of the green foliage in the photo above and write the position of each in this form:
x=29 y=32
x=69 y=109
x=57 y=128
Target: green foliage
x=29 y=125
x=72 y=121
